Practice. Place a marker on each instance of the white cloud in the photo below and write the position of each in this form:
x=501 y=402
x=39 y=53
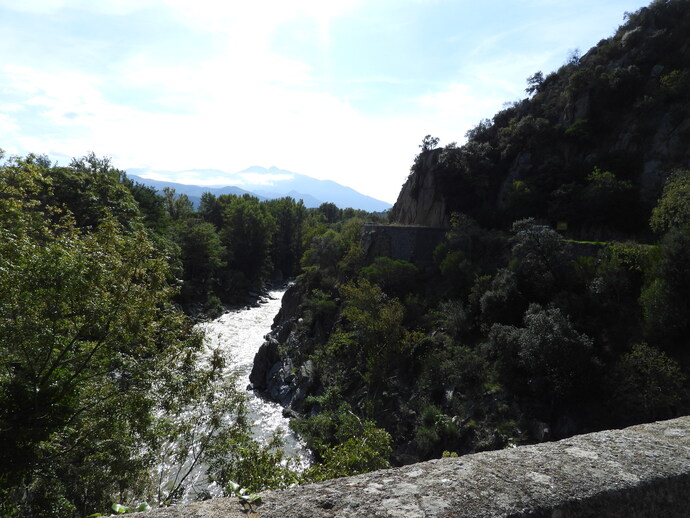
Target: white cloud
x=239 y=101
x=7 y=124
x=227 y=122
x=259 y=16
x=52 y=6
x=459 y=107
x=65 y=99
x=263 y=179
x=233 y=125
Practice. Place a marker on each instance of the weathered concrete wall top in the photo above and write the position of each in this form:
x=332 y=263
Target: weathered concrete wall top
x=642 y=471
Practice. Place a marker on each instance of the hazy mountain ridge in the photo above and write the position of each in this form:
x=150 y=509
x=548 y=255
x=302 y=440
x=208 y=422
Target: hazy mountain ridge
x=193 y=192
x=268 y=183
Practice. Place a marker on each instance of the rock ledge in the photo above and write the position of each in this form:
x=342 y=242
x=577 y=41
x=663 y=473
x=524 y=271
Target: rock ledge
x=641 y=471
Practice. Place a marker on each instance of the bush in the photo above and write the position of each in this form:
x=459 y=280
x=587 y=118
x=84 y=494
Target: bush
x=395 y=277
x=649 y=385
x=343 y=443
x=366 y=451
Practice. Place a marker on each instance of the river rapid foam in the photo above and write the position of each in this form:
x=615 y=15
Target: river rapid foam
x=239 y=334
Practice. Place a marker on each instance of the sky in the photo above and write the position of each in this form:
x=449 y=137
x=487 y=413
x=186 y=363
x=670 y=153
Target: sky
x=335 y=89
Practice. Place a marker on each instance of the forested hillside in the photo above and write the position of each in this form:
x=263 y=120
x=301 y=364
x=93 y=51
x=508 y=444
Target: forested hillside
x=519 y=332
x=591 y=146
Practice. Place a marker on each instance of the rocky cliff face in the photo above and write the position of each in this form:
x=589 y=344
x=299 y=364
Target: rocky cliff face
x=278 y=370
x=414 y=244
x=421 y=200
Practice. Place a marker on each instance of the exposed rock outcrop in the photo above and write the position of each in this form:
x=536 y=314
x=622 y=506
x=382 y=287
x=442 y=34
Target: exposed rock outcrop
x=421 y=201
x=275 y=374
x=637 y=472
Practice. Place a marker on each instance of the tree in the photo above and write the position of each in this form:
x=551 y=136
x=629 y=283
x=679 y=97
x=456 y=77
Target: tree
x=613 y=293
x=394 y=277
x=481 y=132
x=502 y=301
x=95 y=362
x=666 y=297
x=151 y=205
x=542 y=259
x=428 y=143
x=368 y=449
x=519 y=200
x=534 y=83
x=325 y=252
x=649 y=385
x=558 y=360
x=574 y=57
x=211 y=210
x=256 y=467
x=546 y=358
x=177 y=207
x=202 y=258
x=329 y=211
x=91 y=190
x=608 y=202
x=286 y=242
x=375 y=322
x=344 y=444
x=673 y=208
x=247 y=231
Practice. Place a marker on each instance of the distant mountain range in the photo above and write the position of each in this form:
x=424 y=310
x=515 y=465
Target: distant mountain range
x=263 y=183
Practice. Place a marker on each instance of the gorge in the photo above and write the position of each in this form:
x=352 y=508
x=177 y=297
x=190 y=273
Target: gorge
x=499 y=339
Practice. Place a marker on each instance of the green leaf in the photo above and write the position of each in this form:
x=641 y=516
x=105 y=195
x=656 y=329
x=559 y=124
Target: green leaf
x=254 y=499
x=143 y=506
x=120 y=509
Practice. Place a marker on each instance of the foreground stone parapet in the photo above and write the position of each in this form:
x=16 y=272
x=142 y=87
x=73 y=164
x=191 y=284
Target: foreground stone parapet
x=642 y=471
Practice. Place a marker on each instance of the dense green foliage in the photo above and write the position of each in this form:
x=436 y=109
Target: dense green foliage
x=102 y=378
x=103 y=381
x=233 y=245
x=545 y=339
x=518 y=332
x=591 y=144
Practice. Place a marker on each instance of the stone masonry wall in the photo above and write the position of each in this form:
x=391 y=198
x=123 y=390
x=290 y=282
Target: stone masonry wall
x=641 y=471
x=414 y=244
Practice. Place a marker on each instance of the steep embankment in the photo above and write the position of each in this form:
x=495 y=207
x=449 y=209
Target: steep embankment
x=623 y=108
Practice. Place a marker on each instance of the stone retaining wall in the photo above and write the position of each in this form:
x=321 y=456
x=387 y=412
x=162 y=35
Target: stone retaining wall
x=642 y=471
x=411 y=243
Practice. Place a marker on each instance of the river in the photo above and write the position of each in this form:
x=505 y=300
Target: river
x=239 y=334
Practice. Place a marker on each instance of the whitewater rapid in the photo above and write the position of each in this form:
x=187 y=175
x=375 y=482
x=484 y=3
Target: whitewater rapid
x=239 y=334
